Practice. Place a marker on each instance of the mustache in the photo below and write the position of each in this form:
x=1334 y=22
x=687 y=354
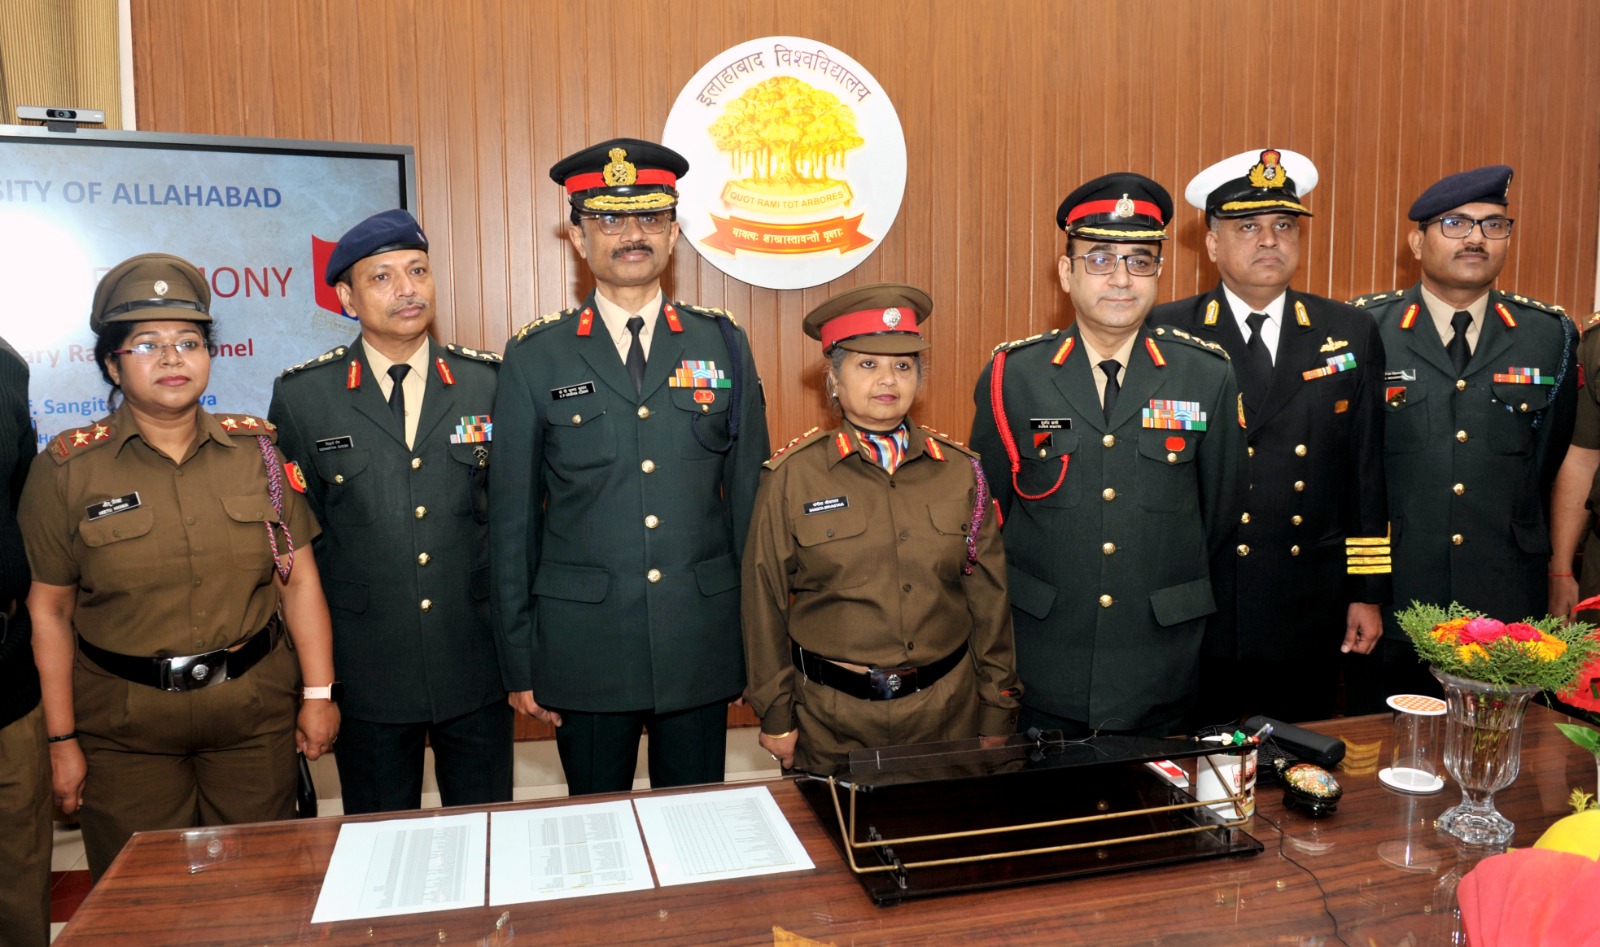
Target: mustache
x=632 y=247
x=418 y=302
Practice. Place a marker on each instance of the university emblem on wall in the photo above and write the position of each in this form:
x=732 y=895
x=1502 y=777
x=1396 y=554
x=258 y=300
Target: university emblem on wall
x=797 y=162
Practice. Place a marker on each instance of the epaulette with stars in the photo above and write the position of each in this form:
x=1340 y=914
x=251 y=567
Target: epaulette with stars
x=1593 y=320
x=1019 y=343
x=549 y=318
x=1531 y=303
x=1168 y=332
x=326 y=358
x=787 y=450
x=247 y=425
x=76 y=442
x=706 y=311
x=947 y=439
x=1362 y=302
x=471 y=353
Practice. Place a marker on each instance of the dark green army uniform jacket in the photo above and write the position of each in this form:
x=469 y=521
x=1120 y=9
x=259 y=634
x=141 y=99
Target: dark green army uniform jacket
x=404 y=553
x=620 y=517
x=1470 y=458
x=1109 y=526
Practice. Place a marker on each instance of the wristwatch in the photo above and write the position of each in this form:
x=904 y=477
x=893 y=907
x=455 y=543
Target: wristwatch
x=325 y=692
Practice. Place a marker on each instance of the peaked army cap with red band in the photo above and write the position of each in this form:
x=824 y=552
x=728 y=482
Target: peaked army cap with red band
x=1122 y=207
x=155 y=286
x=877 y=319
x=1270 y=181
x=621 y=176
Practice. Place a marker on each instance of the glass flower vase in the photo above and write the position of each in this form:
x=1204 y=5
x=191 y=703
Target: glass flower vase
x=1483 y=753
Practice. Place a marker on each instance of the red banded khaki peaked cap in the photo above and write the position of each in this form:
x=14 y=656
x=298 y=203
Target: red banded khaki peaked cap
x=878 y=319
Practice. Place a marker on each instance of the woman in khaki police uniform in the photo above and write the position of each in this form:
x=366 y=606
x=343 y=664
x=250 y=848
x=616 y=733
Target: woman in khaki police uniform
x=874 y=602
x=159 y=555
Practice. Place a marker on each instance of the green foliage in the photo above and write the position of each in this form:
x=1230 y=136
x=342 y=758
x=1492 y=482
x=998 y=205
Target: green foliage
x=1504 y=662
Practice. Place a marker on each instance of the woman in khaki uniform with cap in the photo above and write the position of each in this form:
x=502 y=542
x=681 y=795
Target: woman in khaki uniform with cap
x=874 y=597
x=162 y=540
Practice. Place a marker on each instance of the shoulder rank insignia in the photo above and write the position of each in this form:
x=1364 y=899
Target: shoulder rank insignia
x=72 y=442
x=1594 y=319
x=466 y=352
x=1019 y=343
x=1333 y=345
x=777 y=455
x=247 y=425
x=708 y=311
x=323 y=359
x=543 y=320
x=1360 y=302
x=1531 y=303
x=947 y=439
x=1211 y=347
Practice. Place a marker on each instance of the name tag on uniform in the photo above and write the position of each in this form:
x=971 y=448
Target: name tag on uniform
x=573 y=391
x=120 y=504
x=1043 y=428
x=1404 y=374
x=335 y=443
x=823 y=506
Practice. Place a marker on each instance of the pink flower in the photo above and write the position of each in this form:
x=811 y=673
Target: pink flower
x=1482 y=631
x=1523 y=632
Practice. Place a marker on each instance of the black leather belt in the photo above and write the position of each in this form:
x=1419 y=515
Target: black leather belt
x=876 y=683
x=191 y=672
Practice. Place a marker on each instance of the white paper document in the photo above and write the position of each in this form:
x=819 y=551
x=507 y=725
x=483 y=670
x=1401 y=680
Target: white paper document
x=566 y=852
x=708 y=836
x=405 y=866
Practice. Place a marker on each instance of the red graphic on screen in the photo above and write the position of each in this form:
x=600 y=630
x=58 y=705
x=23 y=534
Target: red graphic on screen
x=321 y=250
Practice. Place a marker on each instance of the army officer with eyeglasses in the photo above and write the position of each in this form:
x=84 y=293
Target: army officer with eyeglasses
x=163 y=539
x=1114 y=452
x=631 y=433
x=1480 y=392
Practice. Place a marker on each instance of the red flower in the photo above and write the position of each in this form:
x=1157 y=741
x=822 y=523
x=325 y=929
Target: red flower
x=1482 y=631
x=1523 y=632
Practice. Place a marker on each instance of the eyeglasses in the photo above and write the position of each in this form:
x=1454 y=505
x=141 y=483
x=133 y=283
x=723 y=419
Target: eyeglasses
x=1100 y=263
x=613 y=224
x=1456 y=226
x=184 y=348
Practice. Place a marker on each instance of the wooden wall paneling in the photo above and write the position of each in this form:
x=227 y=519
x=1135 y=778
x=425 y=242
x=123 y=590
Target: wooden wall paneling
x=1005 y=106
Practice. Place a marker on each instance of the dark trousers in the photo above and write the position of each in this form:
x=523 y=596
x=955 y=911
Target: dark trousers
x=1291 y=691
x=380 y=764
x=599 y=750
x=1392 y=668
x=1030 y=717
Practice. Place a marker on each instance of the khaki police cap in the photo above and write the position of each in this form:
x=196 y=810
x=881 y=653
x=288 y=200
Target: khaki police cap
x=151 y=286
x=878 y=318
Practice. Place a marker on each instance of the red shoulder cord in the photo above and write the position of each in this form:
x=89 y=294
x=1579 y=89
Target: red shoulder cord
x=997 y=404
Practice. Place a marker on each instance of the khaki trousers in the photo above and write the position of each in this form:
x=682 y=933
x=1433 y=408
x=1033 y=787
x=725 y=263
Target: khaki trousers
x=25 y=832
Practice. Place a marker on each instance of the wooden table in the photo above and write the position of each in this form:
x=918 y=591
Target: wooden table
x=1374 y=872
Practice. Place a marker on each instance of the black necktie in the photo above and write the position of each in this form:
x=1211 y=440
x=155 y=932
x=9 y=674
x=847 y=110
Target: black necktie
x=635 y=358
x=1457 y=349
x=1256 y=346
x=397 y=395
x=1110 y=367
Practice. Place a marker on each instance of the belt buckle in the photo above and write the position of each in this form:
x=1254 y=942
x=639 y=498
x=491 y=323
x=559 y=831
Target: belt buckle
x=194 y=671
x=889 y=683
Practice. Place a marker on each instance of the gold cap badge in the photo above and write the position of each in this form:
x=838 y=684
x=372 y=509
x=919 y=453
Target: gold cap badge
x=620 y=172
x=1268 y=172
